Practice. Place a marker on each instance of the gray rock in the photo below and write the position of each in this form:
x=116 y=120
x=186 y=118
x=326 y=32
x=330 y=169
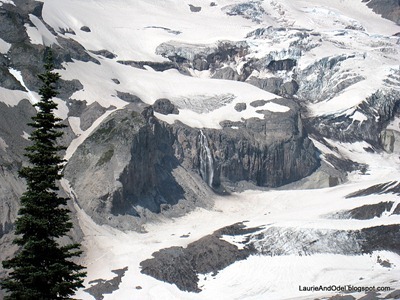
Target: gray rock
x=240 y=106
x=272 y=85
x=258 y=103
x=64 y=31
x=100 y=287
x=250 y=10
x=282 y=65
x=200 y=64
x=371 y=211
x=70 y=49
x=289 y=88
x=104 y=53
x=7 y=80
x=128 y=97
x=210 y=254
x=137 y=161
x=75 y=107
x=397 y=210
x=341 y=297
x=390 y=140
x=12 y=20
x=85 y=29
x=385 y=237
x=169 y=30
x=172 y=265
x=66 y=88
x=393 y=295
x=377 y=189
x=91 y=114
x=194 y=8
x=378 y=109
x=226 y=73
x=157 y=66
x=371 y=296
x=389 y=9
x=165 y=107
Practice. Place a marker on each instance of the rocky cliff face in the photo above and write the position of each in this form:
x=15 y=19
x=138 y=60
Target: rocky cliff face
x=389 y=9
x=133 y=165
x=367 y=122
x=141 y=164
x=13 y=133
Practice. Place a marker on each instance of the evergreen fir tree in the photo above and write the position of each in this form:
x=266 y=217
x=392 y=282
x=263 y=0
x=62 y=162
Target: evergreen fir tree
x=43 y=269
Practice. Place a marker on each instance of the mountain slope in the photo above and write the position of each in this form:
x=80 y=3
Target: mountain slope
x=186 y=117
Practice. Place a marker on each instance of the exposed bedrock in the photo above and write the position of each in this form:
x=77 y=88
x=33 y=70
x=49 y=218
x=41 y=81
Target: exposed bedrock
x=135 y=165
x=389 y=9
x=13 y=129
x=24 y=55
x=367 y=122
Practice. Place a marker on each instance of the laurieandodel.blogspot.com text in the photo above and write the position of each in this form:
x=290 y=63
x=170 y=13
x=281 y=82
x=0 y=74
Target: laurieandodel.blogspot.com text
x=343 y=288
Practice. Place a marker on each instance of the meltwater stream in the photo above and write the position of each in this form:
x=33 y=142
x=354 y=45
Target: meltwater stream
x=206 y=160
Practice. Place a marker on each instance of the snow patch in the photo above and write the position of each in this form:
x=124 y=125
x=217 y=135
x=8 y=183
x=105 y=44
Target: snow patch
x=39 y=34
x=12 y=97
x=6 y=2
x=25 y=135
x=75 y=123
x=62 y=109
x=358 y=116
x=32 y=96
x=4 y=46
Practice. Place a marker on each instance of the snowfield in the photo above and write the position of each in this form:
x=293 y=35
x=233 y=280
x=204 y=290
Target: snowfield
x=260 y=276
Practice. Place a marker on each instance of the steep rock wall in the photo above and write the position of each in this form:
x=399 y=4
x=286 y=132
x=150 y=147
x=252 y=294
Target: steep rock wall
x=136 y=166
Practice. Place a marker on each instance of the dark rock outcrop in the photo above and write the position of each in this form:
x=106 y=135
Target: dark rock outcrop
x=369 y=211
x=194 y=8
x=100 y=287
x=210 y=254
x=378 y=109
x=128 y=97
x=389 y=9
x=268 y=152
x=157 y=66
x=240 y=107
x=165 y=107
x=385 y=237
x=377 y=189
x=282 y=65
x=397 y=210
x=85 y=29
x=104 y=53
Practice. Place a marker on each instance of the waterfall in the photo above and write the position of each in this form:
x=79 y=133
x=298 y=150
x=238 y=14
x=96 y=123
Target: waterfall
x=206 y=160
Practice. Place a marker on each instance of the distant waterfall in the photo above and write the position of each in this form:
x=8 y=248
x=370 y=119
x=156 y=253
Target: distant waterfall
x=206 y=160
